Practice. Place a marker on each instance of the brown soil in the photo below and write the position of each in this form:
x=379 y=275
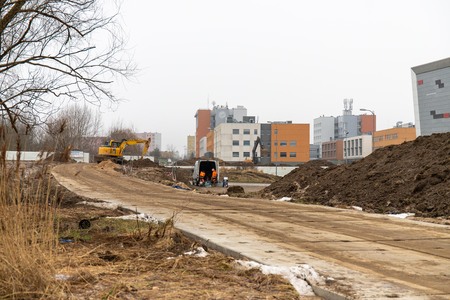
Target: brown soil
x=412 y=177
x=142 y=163
x=247 y=175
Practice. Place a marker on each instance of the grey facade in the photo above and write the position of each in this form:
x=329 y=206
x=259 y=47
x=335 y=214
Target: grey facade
x=347 y=126
x=224 y=114
x=431 y=95
x=266 y=142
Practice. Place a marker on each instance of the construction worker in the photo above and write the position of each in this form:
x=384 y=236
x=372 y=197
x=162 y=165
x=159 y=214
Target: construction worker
x=213 y=176
x=202 y=177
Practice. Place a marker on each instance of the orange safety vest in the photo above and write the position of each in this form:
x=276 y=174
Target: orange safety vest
x=202 y=174
x=214 y=174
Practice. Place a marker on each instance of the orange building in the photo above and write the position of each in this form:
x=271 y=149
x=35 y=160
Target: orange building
x=291 y=142
x=333 y=150
x=368 y=123
x=210 y=142
x=393 y=136
x=203 y=121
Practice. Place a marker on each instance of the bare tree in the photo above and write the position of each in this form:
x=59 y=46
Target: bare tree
x=56 y=50
x=118 y=132
x=73 y=127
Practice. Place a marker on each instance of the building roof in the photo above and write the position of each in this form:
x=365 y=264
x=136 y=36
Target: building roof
x=436 y=65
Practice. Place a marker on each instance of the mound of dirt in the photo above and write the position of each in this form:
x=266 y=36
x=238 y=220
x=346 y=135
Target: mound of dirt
x=235 y=190
x=142 y=163
x=412 y=177
x=159 y=175
x=107 y=165
x=248 y=175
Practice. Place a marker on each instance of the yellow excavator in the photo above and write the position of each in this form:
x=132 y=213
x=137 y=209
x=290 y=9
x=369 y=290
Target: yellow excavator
x=113 y=150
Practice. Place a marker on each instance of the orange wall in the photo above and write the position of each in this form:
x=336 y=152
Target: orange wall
x=394 y=136
x=333 y=150
x=368 y=123
x=210 y=141
x=288 y=133
x=203 y=117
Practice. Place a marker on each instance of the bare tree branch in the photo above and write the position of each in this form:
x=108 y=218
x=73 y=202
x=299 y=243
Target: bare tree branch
x=55 y=50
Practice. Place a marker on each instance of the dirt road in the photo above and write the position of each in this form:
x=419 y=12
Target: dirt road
x=358 y=255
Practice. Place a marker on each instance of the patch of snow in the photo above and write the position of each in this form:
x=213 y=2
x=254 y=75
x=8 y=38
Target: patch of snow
x=107 y=205
x=299 y=276
x=224 y=195
x=402 y=216
x=62 y=277
x=357 y=208
x=141 y=217
x=198 y=252
x=284 y=199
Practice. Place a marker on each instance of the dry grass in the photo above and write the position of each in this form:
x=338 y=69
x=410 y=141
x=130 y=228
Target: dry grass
x=27 y=235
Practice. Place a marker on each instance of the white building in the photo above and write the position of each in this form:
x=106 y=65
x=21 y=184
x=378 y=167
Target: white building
x=357 y=147
x=323 y=131
x=431 y=95
x=156 y=139
x=235 y=141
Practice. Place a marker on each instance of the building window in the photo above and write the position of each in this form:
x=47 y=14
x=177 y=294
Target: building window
x=255 y=131
x=283 y=154
x=292 y=154
x=275 y=143
x=235 y=154
x=283 y=143
x=235 y=143
x=246 y=154
x=247 y=143
x=246 y=131
x=293 y=143
x=235 y=131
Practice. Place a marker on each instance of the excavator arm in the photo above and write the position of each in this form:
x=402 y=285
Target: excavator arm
x=255 y=146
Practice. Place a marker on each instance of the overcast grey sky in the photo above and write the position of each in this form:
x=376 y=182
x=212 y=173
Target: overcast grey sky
x=282 y=60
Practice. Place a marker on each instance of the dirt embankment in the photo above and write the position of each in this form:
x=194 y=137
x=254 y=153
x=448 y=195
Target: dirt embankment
x=412 y=177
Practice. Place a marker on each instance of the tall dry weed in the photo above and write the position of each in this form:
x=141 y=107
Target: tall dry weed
x=27 y=232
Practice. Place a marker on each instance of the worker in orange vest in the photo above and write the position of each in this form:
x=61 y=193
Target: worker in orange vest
x=202 y=177
x=214 y=176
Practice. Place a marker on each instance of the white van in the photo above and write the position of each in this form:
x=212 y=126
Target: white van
x=206 y=166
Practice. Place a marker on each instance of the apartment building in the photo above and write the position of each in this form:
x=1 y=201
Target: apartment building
x=235 y=141
x=357 y=147
x=190 y=146
x=155 y=142
x=202 y=127
x=290 y=143
x=333 y=151
x=394 y=136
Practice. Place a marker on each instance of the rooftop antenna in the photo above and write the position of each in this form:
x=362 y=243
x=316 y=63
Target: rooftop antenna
x=348 y=106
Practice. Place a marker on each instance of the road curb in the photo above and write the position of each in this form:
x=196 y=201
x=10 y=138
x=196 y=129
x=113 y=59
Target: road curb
x=318 y=290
